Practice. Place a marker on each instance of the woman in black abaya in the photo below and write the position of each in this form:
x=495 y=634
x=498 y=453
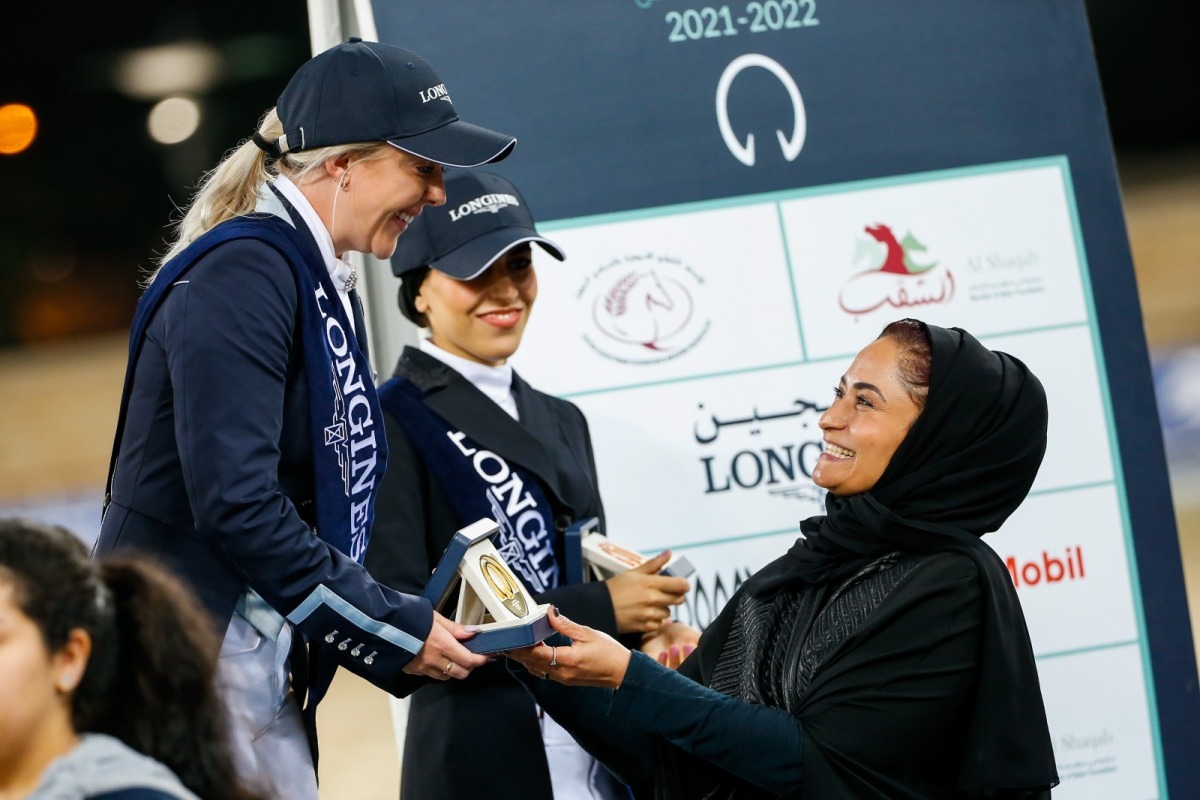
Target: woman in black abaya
x=885 y=655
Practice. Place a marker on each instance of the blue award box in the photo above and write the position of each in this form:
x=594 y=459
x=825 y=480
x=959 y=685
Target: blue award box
x=491 y=596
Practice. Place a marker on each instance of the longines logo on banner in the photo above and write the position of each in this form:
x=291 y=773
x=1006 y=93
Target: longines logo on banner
x=781 y=461
x=745 y=152
x=643 y=308
x=901 y=278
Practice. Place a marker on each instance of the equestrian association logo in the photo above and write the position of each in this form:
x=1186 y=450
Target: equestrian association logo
x=644 y=309
x=903 y=278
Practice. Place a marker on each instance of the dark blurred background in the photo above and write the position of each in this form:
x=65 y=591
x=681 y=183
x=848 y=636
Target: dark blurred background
x=83 y=208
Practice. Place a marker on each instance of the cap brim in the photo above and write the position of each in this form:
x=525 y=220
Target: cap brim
x=473 y=258
x=458 y=144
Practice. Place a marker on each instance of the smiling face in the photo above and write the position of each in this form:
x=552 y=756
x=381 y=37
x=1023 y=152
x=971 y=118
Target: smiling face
x=377 y=198
x=871 y=414
x=481 y=319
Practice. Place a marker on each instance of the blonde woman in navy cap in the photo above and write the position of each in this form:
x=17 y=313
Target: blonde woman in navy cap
x=250 y=443
x=468 y=277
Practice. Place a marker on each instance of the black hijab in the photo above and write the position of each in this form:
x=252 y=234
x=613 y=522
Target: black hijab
x=964 y=467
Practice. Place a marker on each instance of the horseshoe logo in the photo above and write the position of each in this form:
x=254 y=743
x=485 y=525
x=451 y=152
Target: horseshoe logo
x=503 y=585
x=745 y=152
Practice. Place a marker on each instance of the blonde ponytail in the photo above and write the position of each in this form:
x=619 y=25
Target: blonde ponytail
x=232 y=188
x=229 y=190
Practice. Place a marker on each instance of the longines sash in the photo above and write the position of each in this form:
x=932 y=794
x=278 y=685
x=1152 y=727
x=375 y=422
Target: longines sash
x=481 y=483
x=349 y=450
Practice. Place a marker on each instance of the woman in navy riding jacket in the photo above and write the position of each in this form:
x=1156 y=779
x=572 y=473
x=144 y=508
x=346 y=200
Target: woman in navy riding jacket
x=250 y=442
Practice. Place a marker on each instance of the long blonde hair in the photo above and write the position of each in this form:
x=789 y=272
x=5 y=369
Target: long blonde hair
x=231 y=189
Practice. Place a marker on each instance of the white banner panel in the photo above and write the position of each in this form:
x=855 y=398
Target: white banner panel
x=1096 y=702
x=703 y=384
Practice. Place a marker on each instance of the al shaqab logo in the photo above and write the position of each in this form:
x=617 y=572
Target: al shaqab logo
x=903 y=280
x=745 y=152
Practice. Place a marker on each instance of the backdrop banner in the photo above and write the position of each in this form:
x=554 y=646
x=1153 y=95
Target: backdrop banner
x=746 y=193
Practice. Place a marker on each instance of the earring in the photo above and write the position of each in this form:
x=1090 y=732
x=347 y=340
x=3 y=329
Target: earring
x=344 y=182
x=67 y=682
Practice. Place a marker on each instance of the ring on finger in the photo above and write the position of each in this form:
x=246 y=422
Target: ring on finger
x=449 y=666
x=553 y=656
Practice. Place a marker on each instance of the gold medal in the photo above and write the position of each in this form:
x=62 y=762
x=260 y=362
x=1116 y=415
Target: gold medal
x=503 y=584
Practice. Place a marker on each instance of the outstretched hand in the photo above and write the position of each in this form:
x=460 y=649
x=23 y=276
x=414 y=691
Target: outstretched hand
x=592 y=659
x=443 y=657
x=642 y=599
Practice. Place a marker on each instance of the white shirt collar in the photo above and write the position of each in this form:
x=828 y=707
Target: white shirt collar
x=339 y=271
x=495 y=382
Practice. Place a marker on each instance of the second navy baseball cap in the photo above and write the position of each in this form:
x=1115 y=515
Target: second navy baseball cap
x=484 y=217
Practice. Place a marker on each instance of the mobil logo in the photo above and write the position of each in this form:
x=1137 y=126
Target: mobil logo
x=1048 y=568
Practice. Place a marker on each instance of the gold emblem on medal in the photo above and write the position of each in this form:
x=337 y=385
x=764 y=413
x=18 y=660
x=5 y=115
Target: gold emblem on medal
x=503 y=584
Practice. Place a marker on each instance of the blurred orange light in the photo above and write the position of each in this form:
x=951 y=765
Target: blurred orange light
x=18 y=127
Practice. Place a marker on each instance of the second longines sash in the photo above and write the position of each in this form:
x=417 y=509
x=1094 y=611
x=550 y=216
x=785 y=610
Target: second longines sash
x=349 y=454
x=481 y=483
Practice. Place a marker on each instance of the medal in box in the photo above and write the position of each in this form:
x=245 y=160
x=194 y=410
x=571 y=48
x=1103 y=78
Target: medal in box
x=491 y=596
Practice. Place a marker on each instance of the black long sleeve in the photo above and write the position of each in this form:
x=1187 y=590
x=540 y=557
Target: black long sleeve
x=623 y=747
x=759 y=744
x=756 y=743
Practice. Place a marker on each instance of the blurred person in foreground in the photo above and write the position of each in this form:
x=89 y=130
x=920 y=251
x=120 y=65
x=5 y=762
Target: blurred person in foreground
x=886 y=654
x=106 y=685
x=249 y=445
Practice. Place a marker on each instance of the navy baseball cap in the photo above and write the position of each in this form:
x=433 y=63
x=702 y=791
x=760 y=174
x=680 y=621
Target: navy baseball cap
x=366 y=91
x=484 y=217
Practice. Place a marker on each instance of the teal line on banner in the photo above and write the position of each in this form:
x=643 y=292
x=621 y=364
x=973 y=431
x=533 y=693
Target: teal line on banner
x=847 y=357
x=685 y=378
x=742 y=538
x=1073 y=488
x=797 y=194
x=1059 y=326
x=1094 y=648
x=787 y=257
x=795 y=530
x=1119 y=475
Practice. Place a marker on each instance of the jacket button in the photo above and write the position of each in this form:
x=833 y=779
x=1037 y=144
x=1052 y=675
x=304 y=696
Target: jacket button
x=357 y=650
x=369 y=660
x=342 y=645
x=330 y=637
